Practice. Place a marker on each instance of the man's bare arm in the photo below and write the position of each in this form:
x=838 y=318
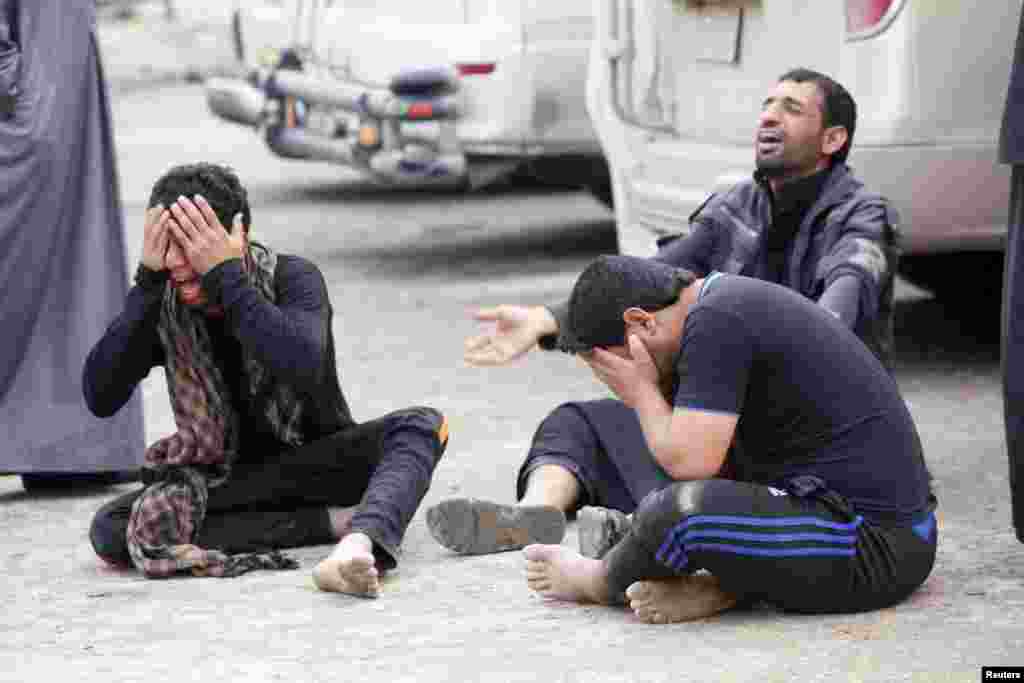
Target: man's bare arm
x=687 y=444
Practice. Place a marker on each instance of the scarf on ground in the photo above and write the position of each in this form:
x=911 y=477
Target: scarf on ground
x=180 y=469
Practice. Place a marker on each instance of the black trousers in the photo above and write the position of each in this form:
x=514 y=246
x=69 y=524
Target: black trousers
x=602 y=444
x=803 y=549
x=1013 y=347
x=384 y=466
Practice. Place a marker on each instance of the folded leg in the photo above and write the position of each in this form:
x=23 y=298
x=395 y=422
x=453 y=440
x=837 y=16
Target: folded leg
x=383 y=466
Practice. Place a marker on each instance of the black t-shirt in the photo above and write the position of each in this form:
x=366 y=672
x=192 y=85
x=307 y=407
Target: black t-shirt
x=810 y=396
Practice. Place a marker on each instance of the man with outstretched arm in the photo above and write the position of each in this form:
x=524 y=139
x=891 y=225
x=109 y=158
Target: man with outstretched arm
x=803 y=221
x=266 y=454
x=828 y=506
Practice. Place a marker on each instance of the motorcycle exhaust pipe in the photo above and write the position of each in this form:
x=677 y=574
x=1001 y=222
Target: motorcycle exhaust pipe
x=417 y=166
x=374 y=102
x=235 y=101
x=295 y=143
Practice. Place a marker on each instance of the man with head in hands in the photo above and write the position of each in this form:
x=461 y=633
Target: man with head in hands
x=827 y=506
x=266 y=453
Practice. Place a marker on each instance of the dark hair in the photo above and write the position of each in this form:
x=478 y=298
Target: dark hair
x=839 y=110
x=612 y=284
x=219 y=185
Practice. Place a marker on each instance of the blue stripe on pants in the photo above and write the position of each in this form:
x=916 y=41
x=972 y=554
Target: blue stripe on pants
x=673 y=551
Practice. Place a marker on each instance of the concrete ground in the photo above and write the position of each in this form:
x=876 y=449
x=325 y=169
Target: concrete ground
x=404 y=270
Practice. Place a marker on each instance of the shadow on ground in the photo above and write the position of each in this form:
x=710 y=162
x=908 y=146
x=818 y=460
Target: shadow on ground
x=355 y=190
x=97 y=491
x=533 y=251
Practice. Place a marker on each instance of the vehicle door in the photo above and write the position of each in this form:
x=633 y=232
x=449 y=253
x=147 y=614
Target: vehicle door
x=691 y=71
x=556 y=45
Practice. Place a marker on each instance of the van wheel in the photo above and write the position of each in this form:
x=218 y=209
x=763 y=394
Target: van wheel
x=572 y=171
x=969 y=284
x=602 y=192
x=975 y=276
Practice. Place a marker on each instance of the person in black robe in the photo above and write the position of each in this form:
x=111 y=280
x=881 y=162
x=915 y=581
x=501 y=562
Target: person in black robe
x=1011 y=151
x=63 y=271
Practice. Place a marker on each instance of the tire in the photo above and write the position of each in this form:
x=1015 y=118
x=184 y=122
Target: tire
x=603 y=193
x=975 y=276
x=968 y=284
x=572 y=171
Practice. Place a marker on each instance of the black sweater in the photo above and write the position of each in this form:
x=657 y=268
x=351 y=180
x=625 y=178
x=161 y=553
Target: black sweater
x=292 y=339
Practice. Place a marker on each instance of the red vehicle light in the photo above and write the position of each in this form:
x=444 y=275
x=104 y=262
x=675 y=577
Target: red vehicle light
x=421 y=110
x=864 y=15
x=476 y=68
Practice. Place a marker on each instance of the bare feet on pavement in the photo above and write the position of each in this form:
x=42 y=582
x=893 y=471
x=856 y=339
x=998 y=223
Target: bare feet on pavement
x=350 y=568
x=558 y=572
x=684 y=598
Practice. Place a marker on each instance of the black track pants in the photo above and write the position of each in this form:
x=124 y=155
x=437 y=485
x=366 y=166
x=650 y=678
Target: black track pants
x=803 y=549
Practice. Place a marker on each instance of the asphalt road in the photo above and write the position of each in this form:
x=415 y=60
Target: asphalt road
x=405 y=270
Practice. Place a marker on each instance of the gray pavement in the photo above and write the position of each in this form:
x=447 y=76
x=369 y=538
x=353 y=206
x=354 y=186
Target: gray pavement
x=404 y=269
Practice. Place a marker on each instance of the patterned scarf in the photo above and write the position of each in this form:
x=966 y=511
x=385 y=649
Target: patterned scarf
x=180 y=469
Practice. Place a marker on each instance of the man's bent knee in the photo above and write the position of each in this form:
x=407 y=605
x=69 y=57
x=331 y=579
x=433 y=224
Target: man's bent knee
x=566 y=418
x=562 y=438
x=663 y=509
x=425 y=419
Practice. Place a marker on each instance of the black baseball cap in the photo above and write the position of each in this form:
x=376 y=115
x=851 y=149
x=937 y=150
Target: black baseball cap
x=611 y=285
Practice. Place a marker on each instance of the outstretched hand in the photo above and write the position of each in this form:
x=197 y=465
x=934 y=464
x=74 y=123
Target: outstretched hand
x=202 y=237
x=517 y=330
x=631 y=379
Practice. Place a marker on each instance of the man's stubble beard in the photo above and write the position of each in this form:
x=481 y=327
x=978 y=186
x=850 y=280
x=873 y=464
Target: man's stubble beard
x=772 y=168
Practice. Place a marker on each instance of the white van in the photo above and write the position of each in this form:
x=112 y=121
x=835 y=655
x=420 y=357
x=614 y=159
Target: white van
x=450 y=92
x=675 y=88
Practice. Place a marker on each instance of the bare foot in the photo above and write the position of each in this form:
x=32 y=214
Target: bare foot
x=562 y=573
x=683 y=598
x=349 y=568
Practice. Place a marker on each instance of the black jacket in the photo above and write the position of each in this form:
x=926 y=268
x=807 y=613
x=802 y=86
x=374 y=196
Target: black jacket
x=847 y=231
